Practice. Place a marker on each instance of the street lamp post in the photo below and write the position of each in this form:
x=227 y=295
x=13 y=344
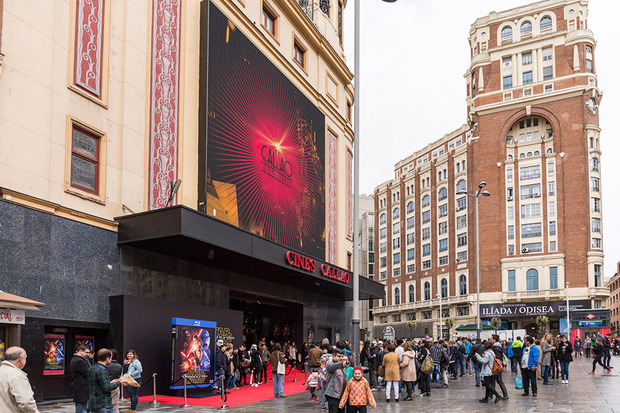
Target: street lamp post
x=355 y=335
x=477 y=195
x=568 y=315
x=440 y=318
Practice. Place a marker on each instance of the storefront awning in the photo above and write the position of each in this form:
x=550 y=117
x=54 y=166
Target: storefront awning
x=16 y=302
x=187 y=234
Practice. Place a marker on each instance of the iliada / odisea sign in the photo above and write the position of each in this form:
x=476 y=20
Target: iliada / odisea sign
x=534 y=309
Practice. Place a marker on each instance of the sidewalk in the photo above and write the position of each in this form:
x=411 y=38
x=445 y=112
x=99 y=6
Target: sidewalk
x=584 y=393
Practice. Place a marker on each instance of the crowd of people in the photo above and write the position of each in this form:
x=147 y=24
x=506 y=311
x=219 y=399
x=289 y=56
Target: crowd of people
x=397 y=367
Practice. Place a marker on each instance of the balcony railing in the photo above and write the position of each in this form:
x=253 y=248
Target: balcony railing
x=318 y=11
x=545 y=294
x=425 y=304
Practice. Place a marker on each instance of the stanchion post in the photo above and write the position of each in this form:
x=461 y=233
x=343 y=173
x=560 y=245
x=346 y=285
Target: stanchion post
x=222 y=394
x=185 y=391
x=295 y=375
x=155 y=402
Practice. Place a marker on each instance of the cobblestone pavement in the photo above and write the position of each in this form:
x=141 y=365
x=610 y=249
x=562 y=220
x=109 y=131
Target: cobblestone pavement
x=584 y=393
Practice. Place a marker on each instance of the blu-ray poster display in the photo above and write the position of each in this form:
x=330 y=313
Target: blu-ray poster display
x=193 y=351
x=54 y=355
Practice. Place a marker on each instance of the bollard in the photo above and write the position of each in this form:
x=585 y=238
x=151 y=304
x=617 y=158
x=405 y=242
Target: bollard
x=155 y=402
x=222 y=394
x=185 y=391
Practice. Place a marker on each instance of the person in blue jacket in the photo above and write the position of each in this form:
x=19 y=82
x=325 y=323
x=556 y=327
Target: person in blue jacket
x=529 y=364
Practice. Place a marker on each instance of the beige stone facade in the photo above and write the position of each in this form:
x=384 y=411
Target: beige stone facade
x=40 y=103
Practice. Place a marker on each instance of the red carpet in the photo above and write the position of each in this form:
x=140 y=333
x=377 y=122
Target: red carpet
x=244 y=395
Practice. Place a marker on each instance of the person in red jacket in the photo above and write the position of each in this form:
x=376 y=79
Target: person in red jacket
x=357 y=393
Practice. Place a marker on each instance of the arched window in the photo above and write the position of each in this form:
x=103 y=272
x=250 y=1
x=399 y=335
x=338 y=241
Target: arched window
x=461 y=185
x=396 y=213
x=531 y=278
x=591 y=142
x=536 y=153
x=428 y=181
x=407 y=191
x=396 y=295
x=594 y=164
x=382 y=219
x=529 y=154
x=426 y=201
x=444 y=288
x=383 y=302
x=458 y=167
x=507 y=33
x=521 y=155
x=443 y=194
x=510 y=157
x=463 y=285
x=463 y=165
x=411 y=294
x=526 y=28
x=439 y=176
x=545 y=23
x=550 y=150
x=410 y=207
x=427 y=290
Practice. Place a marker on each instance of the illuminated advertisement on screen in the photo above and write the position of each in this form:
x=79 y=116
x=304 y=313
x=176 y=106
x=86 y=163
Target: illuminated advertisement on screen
x=193 y=352
x=265 y=145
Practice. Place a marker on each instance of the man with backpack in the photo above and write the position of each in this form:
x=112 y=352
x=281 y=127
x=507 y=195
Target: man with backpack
x=477 y=348
x=460 y=345
x=499 y=354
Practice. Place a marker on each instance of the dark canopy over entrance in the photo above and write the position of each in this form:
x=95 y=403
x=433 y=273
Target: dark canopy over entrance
x=190 y=235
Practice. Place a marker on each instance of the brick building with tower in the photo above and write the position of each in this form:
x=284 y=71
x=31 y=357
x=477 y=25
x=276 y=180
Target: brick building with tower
x=532 y=136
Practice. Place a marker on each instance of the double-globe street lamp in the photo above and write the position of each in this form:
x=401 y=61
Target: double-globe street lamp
x=477 y=195
x=355 y=336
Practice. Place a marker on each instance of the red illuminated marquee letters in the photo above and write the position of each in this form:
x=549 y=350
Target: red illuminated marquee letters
x=308 y=264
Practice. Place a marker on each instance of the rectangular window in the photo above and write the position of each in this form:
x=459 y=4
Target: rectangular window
x=411 y=316
x=509 y=174
x=511 y=249
x=548 y=88
x=461 y=240
x=382 y=233
x=589 y=65
x=426 y=217
x=510 y=213
x=443 y=228
x=269 y=22
x=511 y=232
x=410 y=254
x=594 y=184
x=596 y=243
x=461 y=203
x=527 y=77
x=85 y=160
x=396 y=228
x=461 y=222
x=426 y=264
x=396 y=318
x=598 y=279
x=550 y=169
x=531 y=230
x=533 y=247
x=507 y=82
x=410 y=222
x=299 y=54
x=507 y=63
x=530 y=210
x=551 y=208
x=426 y=233
x=340 y=22
x=548 y=73
x=426 y=250
x=529 y=172
x=552 y=229
x=509 y=194
x=410 y=268
x=596 y=225
x=547 y=54
x=396 y=243
x=383 y=319
x=527 y=58
x=410 y=238
x=551 y=188
x=383 y=262
x=371 y=269
x=443 y=210
x=443 y=260
x=461 y=256
x=553 y=246
x=511 y=280
x=371 y=257
x=462 y=311
x=427 y=315
x=383 y=275
x=596 y=204
x=443 y=244
x=530 y=191
x=382 y=247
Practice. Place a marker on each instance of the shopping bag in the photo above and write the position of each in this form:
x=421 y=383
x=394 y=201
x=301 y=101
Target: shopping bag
x=281 y=368
x=519 y=383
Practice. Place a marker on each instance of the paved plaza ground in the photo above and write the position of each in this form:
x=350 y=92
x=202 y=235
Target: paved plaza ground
x=584 y=393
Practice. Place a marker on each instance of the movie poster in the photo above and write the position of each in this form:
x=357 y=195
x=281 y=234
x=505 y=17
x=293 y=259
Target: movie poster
x=54 y=354
x=265 y=145
x=193 y=352
x=281 y=331
x=310 y=336
x=88 y=341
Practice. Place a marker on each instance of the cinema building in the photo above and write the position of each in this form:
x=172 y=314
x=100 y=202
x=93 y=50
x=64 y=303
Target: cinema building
x=173 y=160
x=532 y=135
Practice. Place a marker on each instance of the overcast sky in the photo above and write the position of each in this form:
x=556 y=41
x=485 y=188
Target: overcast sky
x=414 y=54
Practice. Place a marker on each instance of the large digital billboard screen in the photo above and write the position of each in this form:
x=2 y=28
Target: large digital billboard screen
x=193 y=352
x=265 y=145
